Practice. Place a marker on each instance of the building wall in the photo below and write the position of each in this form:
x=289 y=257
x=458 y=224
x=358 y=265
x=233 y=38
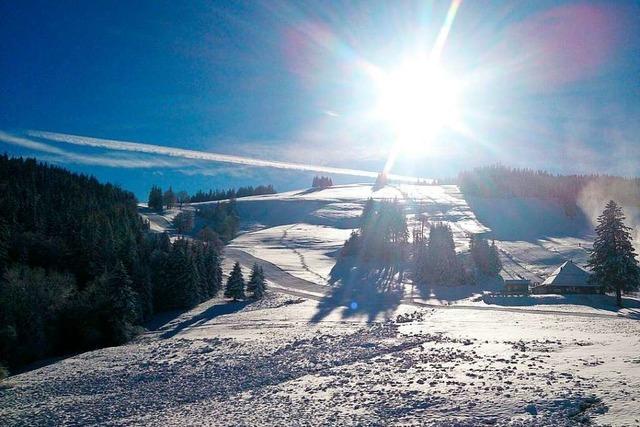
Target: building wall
x=578 y=289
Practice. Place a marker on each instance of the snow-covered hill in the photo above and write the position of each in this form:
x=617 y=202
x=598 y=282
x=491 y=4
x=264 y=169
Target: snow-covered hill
x=302 y=230
x=302 y=357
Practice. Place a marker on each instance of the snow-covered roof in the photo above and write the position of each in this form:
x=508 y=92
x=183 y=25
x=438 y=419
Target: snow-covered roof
x=568 y=274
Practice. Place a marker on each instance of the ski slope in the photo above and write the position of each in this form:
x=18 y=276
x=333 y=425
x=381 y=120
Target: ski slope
x=302 y=230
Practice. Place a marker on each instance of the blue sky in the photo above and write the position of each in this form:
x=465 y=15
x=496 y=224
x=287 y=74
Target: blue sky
x=548 y=84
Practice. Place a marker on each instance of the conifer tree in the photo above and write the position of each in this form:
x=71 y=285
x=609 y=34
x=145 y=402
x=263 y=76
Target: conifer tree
x=218 y=272
x=368 y=214
x=235 y=283
x=485 y=257
x=495 y=265
x=169 y=198
x=184 y=275
x=256 y=283
x=613 y=258
x=155 y=199
x=122 y=304
x=165 y=242
x=4 y=245
x=212 y=275
x=183 y=222
x=182 y=197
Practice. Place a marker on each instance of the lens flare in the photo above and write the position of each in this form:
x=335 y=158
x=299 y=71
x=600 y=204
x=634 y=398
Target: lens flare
x=418 y=99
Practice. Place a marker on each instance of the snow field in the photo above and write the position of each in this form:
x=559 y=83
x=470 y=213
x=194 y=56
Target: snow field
x=265 y=363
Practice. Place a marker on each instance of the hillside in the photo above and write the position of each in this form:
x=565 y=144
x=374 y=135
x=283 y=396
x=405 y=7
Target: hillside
x=302 y=230
x=78 y=269
x=302 y=357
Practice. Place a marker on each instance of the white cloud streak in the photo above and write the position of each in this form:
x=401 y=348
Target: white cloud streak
x=111 y=144
x=60 y=155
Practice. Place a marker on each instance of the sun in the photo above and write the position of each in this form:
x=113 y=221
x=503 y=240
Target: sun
x=417 y=100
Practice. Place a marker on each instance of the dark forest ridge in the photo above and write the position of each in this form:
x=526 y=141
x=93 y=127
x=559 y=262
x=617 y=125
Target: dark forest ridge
x=80 y=269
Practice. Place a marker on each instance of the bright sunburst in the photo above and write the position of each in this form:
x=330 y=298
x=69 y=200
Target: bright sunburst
x=418 y=100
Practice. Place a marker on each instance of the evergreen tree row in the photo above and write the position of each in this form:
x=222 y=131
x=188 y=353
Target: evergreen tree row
x=78 y=268
x=236 y=285
x=436 y=262
x=214 y=195
x=158 y=201
x=184 y=273
x=321 y=182
x=502 y=181
x=383 y=239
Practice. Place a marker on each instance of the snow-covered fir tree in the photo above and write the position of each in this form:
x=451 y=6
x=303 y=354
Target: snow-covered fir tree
x=613 y=258
x=235 y=283
x=485 y=256
x=256 y=283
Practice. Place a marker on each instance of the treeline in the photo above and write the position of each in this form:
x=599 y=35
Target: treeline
x=78 y=268
x=383 y=239
x=321 y=182
x=159 y=200
x=213 y=195
x=502 y=181
x=184 y=273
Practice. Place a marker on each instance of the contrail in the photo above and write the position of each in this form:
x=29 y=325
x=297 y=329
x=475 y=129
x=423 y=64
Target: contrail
x=137 y=147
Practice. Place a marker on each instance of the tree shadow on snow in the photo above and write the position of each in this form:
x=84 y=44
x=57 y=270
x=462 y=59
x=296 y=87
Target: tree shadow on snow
x=444 y=294
x=361 y=289
x=206 y=315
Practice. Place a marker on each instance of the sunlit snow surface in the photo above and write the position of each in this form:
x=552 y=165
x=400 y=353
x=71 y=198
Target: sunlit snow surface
x=534 y=237
x=311 y=225
x=458 y=356
x=267 y=363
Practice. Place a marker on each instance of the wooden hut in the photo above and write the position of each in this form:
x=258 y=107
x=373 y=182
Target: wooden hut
x=516 y=286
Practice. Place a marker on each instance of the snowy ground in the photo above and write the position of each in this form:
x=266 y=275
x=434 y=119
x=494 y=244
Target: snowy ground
x=308 y=356
x=270 y=363
x=304 y=250
x=158 y=222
